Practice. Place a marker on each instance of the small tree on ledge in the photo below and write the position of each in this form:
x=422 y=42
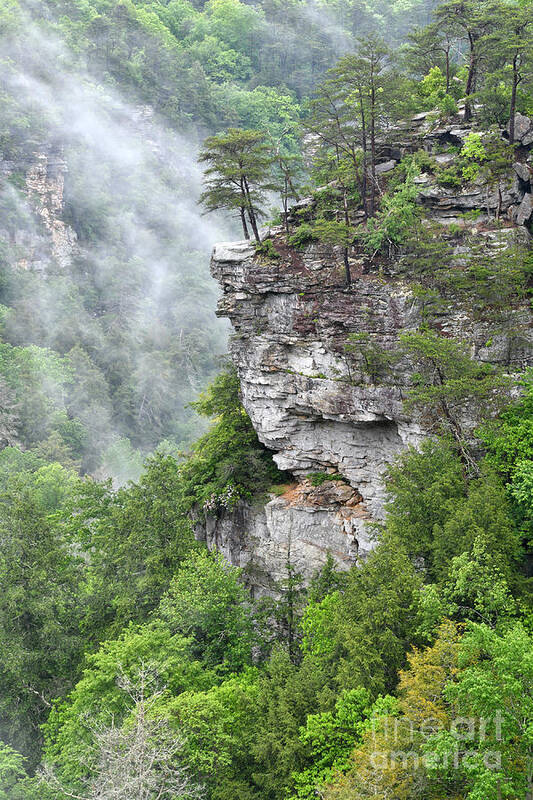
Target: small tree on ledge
x=238 y=174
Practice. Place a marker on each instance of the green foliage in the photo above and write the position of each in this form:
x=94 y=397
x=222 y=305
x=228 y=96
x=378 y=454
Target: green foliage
x=451 y=176
x=424 y=487
x=267 y=250
x=437 y=514
x=377 y=618
x=287 y=695
x=42 y=604
x=374 y=361
x=329 y=739
x=129 y=570
x=101 y=696
x=333 y=232
x=432 y=87
x=219 y=725
x=510 y=437
x=318 y=478
x=484 y=513
x=477 y=586
x=237 y=175
x=207 y=602
x=447 y=380
x=318 y=625
x=494 y=684
x=435 y=95
x=361 y=631
x=484 y=158
x=11 y=771
x=490 y=282
x=447 y=106
x=38 y=379
x=228 y=463
x=303 y=235
x=473 y=153
x=397 y=215
x=264 y=108
x=325 y=581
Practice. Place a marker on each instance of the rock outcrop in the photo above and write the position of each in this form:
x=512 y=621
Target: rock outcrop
x=308 y=399
x=32 y=187
x=303 y=525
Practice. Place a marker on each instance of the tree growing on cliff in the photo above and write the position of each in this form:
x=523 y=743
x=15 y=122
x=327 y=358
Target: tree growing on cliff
x=471 y=22
x=238 y=174
x=346 y=115
x=511 y=62
x=449 y=387
x=428 y=48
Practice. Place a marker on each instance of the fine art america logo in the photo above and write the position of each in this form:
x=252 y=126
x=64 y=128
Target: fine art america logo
x=430 y=744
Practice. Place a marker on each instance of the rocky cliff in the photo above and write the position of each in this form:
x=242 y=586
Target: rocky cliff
x=309 y=399
x=32 y=196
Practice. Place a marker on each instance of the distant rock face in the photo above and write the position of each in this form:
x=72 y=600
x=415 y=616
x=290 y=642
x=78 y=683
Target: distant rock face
x=45 y=181
x=291 y=324
x=309 y=404
x=34 y=185
x=307 y=399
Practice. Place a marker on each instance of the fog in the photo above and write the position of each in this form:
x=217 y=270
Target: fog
x=132 y=287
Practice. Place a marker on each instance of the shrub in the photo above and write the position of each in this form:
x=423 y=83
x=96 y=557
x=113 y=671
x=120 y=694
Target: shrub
x=395 y=219
x=472 y=154
x=302 y=236
x=318 y=478
x=267 y=250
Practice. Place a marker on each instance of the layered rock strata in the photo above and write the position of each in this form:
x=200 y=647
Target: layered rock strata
x=32 y=192
x=308 y=398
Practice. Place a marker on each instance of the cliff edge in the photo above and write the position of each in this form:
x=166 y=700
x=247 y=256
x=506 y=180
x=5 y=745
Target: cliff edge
x=330 y=423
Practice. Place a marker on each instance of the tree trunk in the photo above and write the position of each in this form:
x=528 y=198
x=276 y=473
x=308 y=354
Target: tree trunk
x=286 y=206
x=253 y=223
x=345 y=253
x=243 y=221
x=242 y=209
x=295 y=194
x=251 y=212
x=364 y=145
x=373 y=148
x=347 y=268
x=512 y=107
x=470 y=79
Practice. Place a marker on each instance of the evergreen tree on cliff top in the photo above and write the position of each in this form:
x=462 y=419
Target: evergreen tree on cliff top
x=238 y=175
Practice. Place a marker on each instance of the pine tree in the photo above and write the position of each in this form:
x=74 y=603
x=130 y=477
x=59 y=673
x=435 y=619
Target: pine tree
x=511 y=44
x=238 y=175
x=471 y=21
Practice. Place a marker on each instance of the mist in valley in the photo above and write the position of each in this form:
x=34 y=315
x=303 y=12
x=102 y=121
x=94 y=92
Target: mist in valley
x=116 y=278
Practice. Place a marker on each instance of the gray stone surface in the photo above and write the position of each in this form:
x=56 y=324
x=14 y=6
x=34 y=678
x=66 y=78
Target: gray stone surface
x=525 y=210
x=47 y=242
x=523 y=171
x=385 y=167
x=310 y=400
x=304 y=525
x=522 y=127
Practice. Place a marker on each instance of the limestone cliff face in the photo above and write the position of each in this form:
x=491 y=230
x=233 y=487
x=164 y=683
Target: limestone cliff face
x=303 y=525
x=32 y=189
x=310 y=401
